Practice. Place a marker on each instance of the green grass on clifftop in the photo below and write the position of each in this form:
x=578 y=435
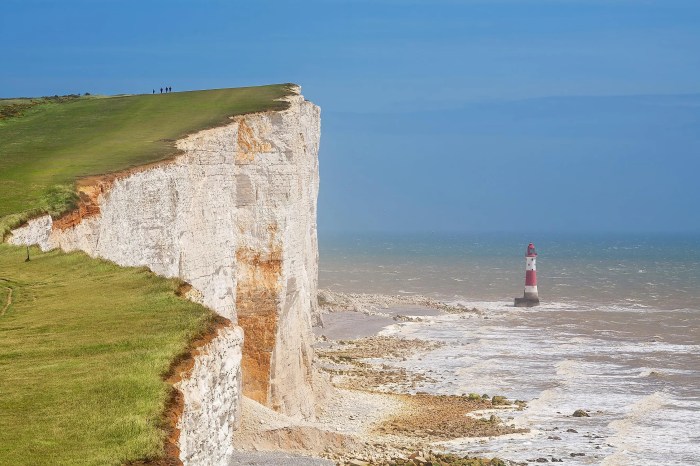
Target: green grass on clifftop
x=46 y=144
x=84 y=346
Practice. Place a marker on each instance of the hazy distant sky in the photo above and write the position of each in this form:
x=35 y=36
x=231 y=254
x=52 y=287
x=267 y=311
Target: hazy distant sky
x=549 y=115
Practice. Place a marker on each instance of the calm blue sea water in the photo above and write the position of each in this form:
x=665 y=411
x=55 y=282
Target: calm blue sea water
x=660 y=271
x=618 y=334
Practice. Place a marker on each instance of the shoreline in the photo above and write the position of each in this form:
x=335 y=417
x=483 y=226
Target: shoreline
x=370 y=414
x=391 y=362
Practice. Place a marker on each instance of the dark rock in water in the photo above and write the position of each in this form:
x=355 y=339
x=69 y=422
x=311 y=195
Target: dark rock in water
x=554 y=460
x=580 y=413
x=573 y=431
x=573 y=455
x=553 y=437
x=542 y=460
x=526 y=302
x=403 y=318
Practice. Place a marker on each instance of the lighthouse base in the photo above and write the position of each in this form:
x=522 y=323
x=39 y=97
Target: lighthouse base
x=527 y=302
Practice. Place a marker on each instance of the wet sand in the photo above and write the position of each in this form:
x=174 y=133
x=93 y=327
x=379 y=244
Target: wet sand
x=349 y=325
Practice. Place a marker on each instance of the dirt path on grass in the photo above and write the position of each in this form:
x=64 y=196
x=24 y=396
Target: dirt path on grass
x=9 y=300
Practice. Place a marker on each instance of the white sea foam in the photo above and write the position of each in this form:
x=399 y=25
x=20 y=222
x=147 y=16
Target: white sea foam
x=566 y=368
x=598 y=340
x=629 y=430
x=561 y=357
x=505 y=352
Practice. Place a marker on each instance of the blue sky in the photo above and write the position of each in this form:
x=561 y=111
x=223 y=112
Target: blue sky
x=522 y=116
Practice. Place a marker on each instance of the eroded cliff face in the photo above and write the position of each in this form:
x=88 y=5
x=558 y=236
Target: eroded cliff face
x=235 y=216
x=213 y=382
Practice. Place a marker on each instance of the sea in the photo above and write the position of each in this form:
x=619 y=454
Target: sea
x=617 y=334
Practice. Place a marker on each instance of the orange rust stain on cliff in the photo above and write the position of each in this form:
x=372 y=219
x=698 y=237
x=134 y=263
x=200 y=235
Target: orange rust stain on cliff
x=257 y=295
x=260 y=333
x=91 y=188
x=88 y=205
x=249 y=143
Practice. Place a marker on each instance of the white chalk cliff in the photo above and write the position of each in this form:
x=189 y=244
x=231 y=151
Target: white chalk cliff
x=234 y=215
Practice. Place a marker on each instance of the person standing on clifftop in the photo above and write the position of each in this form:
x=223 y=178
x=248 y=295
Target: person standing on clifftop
x=161 y=90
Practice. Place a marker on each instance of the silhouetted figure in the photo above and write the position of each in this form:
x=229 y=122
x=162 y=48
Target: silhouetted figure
x=161 y=90
x=170 y=89
x=154 y=91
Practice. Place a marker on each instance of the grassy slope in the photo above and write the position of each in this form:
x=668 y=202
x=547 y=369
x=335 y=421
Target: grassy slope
x=83 y=349
x=43 y=151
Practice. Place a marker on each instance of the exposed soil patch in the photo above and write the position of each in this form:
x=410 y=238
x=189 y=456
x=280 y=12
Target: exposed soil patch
x=87 y=204
x=91 y=188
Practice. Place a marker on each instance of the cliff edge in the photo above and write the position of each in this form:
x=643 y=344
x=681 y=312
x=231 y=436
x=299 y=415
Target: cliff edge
x=234 y=215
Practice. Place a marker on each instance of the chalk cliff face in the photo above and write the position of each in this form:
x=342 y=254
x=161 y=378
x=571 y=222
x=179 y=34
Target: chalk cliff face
x=235 y=216
x=211 y=388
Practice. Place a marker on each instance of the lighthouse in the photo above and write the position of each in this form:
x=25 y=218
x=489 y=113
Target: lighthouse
x=530 y=297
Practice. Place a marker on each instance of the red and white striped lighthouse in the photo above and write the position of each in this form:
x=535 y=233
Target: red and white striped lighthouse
x=530 y=297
